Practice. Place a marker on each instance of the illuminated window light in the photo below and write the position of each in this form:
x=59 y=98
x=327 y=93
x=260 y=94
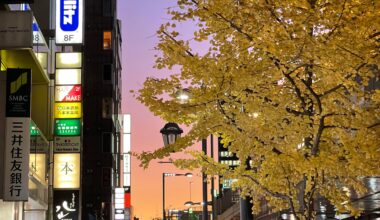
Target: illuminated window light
x=107 y=37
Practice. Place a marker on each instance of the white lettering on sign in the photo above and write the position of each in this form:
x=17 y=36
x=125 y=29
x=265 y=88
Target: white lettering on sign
x=68 y=11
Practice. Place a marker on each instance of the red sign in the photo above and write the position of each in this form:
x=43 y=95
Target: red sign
x=68 y=93
x=127 y=200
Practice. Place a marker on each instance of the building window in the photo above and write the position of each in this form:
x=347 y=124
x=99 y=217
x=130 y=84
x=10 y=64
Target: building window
x=106 y=176
x=107 y=37
x=107 y=8
x=107 y=107
x=107 y=73
x=107 y=142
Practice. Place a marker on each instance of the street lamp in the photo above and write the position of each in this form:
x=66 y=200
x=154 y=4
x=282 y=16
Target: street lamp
x=183 y=95
x=191 y=203
x=170 y=133
x=163 y=188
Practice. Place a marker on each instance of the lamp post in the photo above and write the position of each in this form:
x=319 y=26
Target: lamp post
x=183 y=96
x=163 y=188
x=204 y=185
x=170 y=133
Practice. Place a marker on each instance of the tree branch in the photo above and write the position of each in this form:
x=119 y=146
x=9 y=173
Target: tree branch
x=318 y=136
x=273 y=13
x=374 y=125
x=176 y=42
x=315 y=95
x=291 y=204
x=331 y=90
x=265 y=189
x=297 y=90
x=350 y=52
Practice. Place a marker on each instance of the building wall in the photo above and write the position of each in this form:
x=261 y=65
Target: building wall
x=2 y=127
x=101 y=80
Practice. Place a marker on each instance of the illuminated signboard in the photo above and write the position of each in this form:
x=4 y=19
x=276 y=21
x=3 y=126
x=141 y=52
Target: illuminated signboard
x=34 y=131
x=119 y=203
x=127 y=200
x=126 y=150
x=68 y=93
x=69 y=22
x=67 y=127
x=38 y=144
x=66 y=205
x=42 y=59
x=66 y=171
x=67 y=109
x=38 y=37
x=37 y=164
x=68 y=76
x=68 y=60
x=67 y=144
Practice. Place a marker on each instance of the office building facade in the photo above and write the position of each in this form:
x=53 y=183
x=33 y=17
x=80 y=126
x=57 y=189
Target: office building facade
x=68 y=64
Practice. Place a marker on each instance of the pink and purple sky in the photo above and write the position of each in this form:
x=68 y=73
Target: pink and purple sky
x=140 y=21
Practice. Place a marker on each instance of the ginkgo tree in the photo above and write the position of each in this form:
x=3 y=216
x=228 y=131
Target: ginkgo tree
x=290 y=86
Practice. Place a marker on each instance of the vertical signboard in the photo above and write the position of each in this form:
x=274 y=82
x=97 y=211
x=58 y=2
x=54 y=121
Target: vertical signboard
x=119 y=203
x=17 y=136
x=66 y=205
x=69 y=22
x=67 y=112
x=126 y=150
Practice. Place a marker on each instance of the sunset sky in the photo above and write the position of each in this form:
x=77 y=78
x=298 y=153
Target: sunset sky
x=140 y=21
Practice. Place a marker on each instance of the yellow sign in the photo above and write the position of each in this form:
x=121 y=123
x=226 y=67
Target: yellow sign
x=68 y=110
x=66 y=171
x=37 y=166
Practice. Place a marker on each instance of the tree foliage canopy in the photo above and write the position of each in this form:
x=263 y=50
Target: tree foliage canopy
x=289 y=85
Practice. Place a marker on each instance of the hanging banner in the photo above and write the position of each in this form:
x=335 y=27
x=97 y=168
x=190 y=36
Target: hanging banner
x=68 y=110
x=66 y=171
x=67 y=144
x=69 y=22
x=68 y=93
x=17 y=135
x=66 y=205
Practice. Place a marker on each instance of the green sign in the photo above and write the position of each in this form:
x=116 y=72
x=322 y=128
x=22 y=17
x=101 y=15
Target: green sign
x=34 y=131
x=67 y=127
